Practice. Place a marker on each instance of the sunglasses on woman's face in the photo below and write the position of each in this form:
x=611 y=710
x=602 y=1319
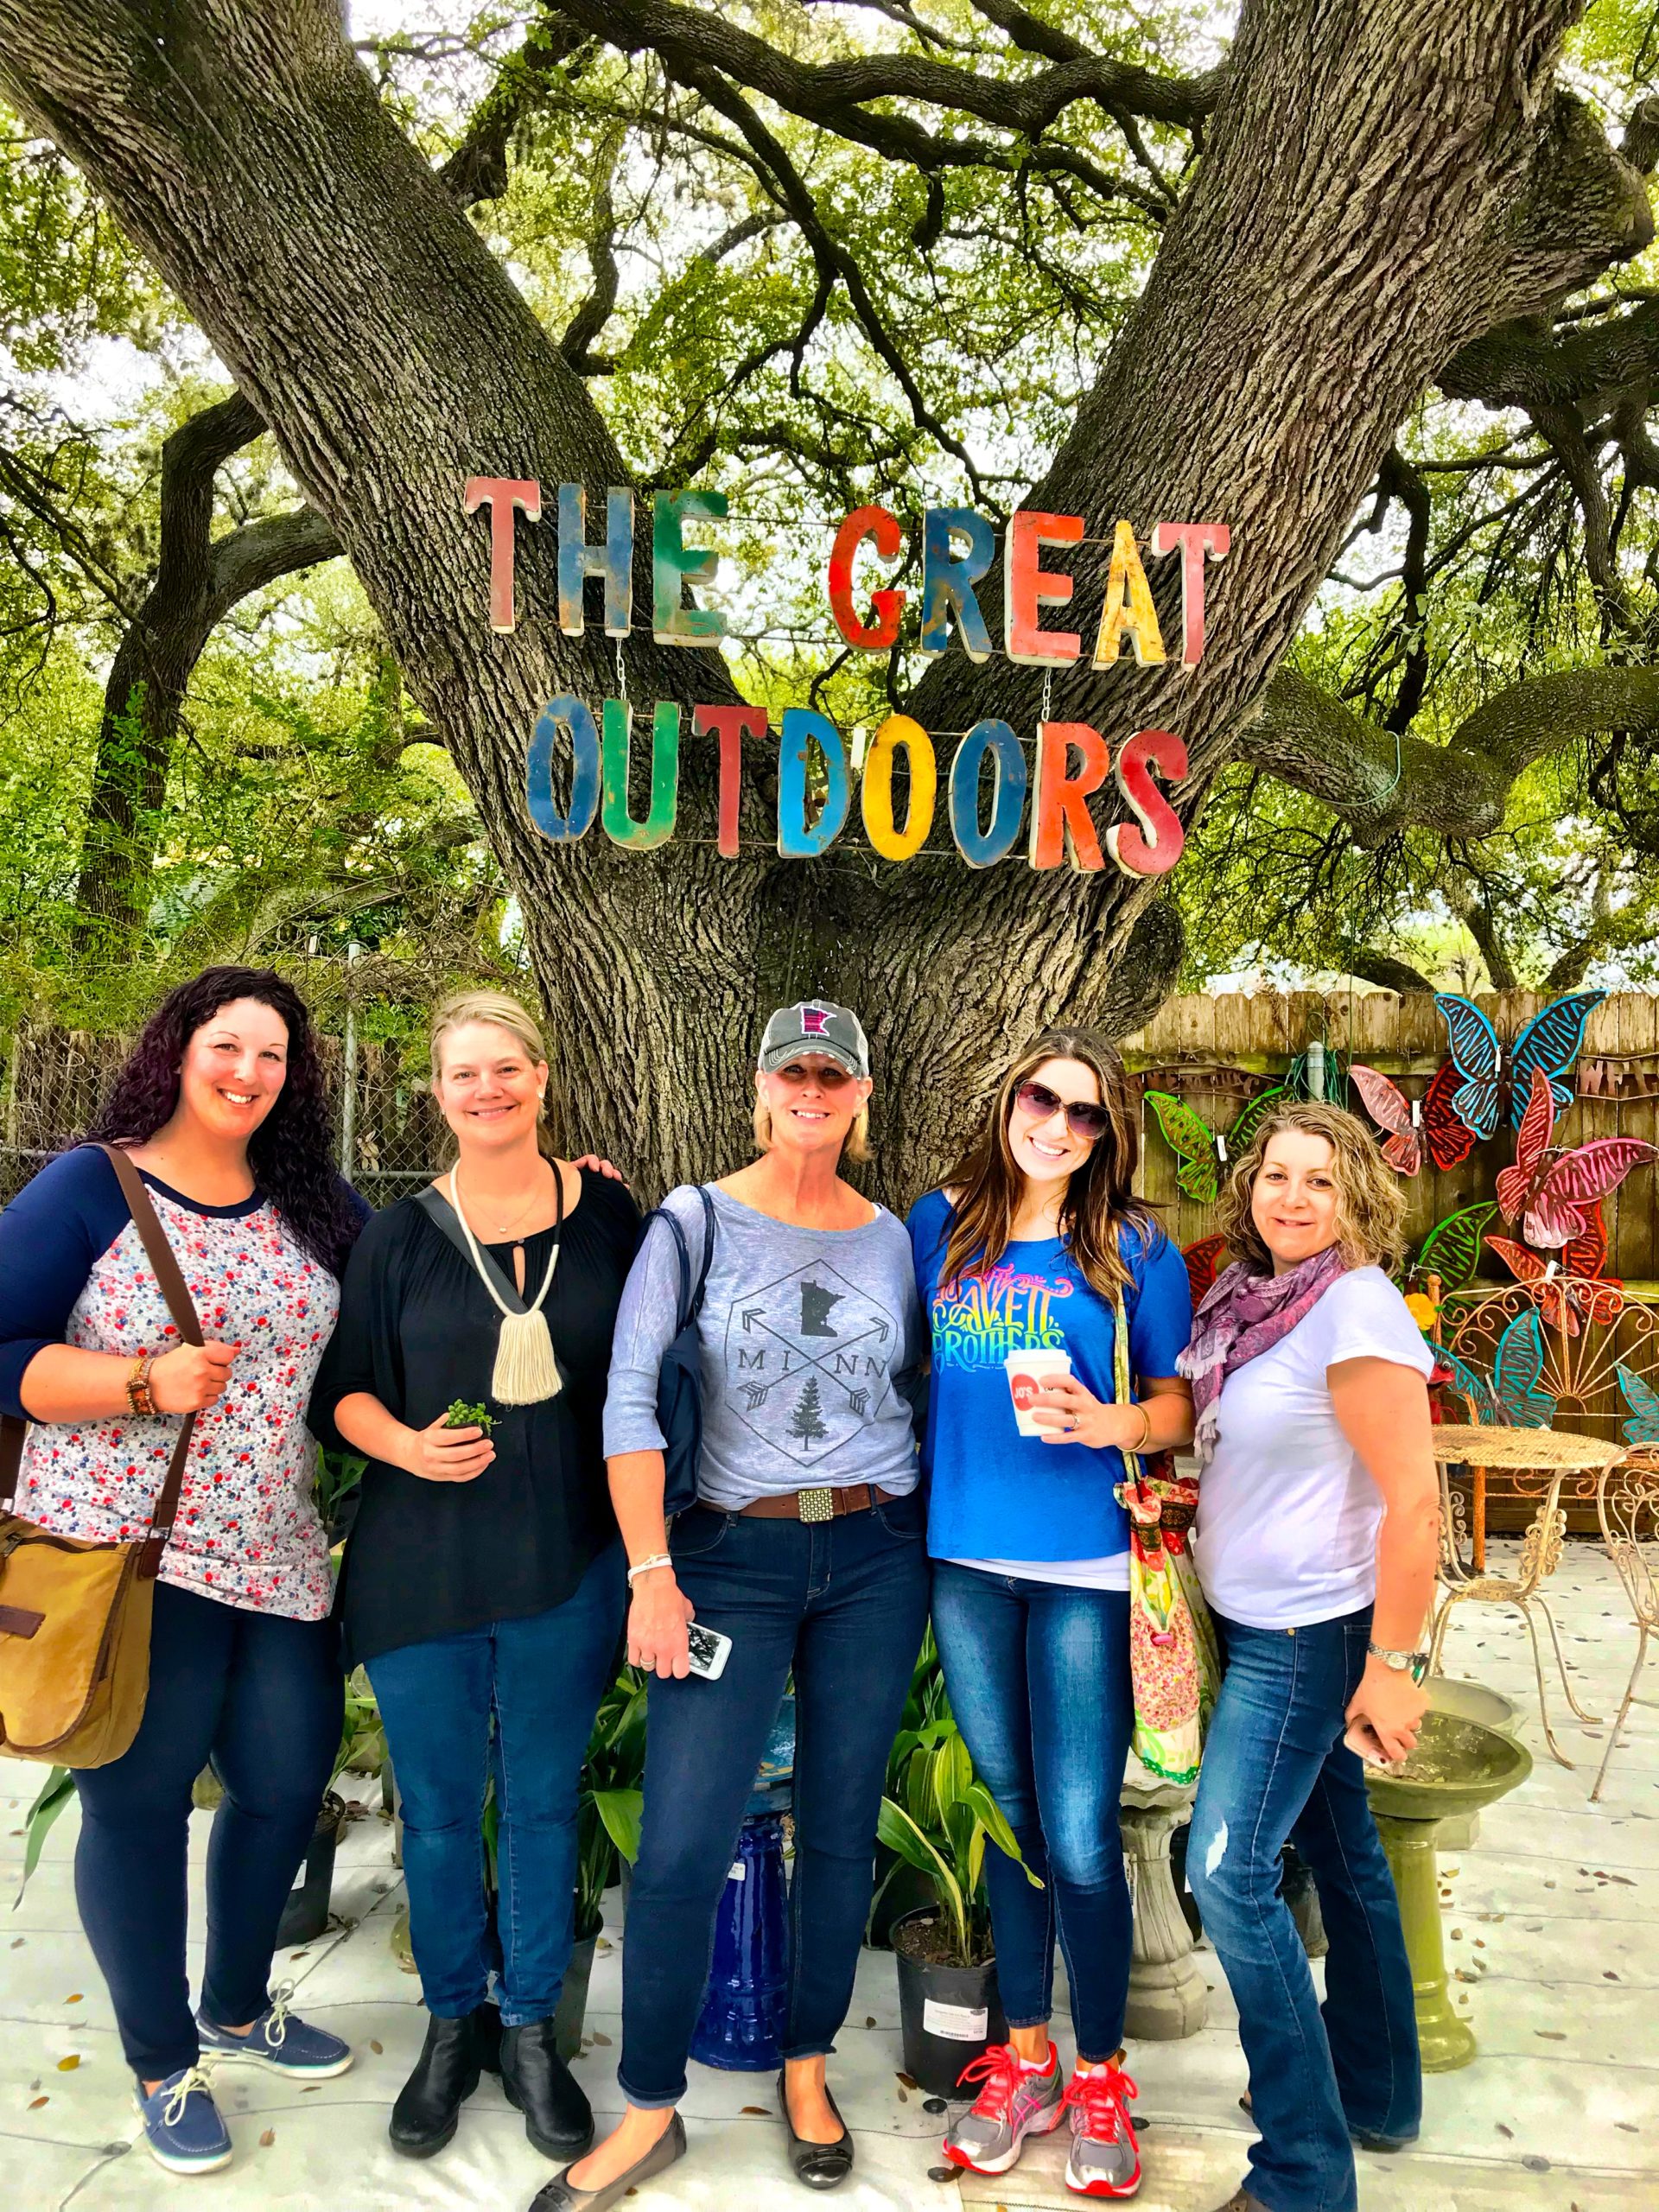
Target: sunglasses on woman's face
x=1087 y=1121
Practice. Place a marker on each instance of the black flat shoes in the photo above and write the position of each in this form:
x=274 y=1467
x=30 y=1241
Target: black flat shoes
x=820 y=2165
x=560 y=2196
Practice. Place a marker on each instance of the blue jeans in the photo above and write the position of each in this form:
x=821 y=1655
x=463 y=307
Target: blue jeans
x=261 y=1694
x=539 y=1680
x=844 y=1604
x=1039 y=1678
x=1275 y=1768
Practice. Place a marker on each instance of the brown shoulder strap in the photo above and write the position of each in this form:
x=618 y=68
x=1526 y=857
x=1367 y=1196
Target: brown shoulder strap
x=158 y=1248
x=181 y=1307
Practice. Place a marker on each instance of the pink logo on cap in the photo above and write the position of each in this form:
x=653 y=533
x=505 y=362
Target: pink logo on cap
x=815 y=1020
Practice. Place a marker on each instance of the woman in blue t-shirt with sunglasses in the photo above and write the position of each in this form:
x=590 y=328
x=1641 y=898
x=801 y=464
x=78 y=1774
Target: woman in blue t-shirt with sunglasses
x=1020 y=1260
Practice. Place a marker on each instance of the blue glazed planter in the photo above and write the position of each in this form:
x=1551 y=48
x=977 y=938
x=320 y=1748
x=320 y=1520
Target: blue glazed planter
x=742 y=2025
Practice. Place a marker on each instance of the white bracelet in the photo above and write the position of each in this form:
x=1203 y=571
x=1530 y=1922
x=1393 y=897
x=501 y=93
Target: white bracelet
x=657 y=1559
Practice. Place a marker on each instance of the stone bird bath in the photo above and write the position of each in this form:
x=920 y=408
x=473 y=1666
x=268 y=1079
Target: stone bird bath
x=1459 y=1767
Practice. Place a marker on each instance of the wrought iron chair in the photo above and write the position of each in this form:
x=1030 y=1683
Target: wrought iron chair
x=1583 y=1331
x=1627 y=1504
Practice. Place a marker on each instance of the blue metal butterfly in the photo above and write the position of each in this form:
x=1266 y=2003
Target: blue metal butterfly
x=1518 y=1374
x=1552 y=1040
x=1471 y=1384
x=1642 y=1399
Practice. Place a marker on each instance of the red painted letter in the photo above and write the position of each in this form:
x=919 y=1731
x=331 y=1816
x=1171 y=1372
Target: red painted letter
x=1060 y=827
x=1026 y=589
x=1154 y=848
x=731 y=725
x=887 y=534
x=1195 y=540
x=501 y=495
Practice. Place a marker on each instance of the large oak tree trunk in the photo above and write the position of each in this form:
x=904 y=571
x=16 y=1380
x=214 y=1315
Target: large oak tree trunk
x=1376 y=188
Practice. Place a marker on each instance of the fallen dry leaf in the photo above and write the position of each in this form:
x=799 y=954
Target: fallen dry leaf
x=904 y=2096
x=759 y=2111
x=379 y=2048
x=36 y=2103
x=68 y=2065
x=74 y=1998
x=603 y=2041
x=1508 y=2134
x=910 y=2080
x=267 y=2139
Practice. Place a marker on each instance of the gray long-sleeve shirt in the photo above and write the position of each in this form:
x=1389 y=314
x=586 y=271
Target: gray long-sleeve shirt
x=803 y=1333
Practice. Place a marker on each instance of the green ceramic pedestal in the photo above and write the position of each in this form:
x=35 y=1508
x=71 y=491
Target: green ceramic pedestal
x=1444 y=2041
x=1460 y=1766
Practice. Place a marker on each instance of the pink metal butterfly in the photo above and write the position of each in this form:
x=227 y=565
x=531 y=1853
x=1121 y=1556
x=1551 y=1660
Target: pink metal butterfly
x=1553 y=1193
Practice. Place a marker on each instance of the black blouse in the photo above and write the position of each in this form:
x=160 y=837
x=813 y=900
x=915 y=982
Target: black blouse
x=418 y=1329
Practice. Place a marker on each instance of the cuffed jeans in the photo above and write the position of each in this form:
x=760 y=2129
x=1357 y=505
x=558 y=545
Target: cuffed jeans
x=540 y=1681
x=1275 y=1768
x=1038 y=1679
x=262 y=1695
x=844 y=1603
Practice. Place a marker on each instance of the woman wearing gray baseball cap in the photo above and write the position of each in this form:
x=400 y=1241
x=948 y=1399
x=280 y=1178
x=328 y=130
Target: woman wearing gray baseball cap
x=804 y=1547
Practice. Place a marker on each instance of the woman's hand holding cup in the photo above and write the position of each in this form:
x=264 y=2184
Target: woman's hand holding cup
x=1065 y=1411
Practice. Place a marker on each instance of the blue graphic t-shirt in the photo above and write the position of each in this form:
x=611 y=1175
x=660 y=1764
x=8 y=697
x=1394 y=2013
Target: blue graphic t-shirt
x=993 y=1493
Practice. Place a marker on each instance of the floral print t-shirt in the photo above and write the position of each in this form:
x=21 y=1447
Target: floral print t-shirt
x=73 y=1271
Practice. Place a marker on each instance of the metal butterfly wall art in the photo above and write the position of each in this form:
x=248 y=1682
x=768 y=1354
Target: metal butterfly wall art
x=1518 y=1375
x=1203 y=1153
x=1203 y=1258
x=1553 y=1193
x=1642 y=1427
x=1470 y=1087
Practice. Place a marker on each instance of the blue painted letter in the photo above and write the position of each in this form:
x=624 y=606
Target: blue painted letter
x=1008 y=793
x=563 y=713
x=803 y=729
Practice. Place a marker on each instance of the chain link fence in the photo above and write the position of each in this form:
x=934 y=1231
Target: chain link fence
x=390 y=1134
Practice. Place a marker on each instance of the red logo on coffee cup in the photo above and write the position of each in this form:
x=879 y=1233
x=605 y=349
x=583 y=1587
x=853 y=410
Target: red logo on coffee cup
x=1025 y=1389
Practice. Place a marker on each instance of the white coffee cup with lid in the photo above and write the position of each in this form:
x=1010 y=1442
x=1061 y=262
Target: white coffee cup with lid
x=1028 y=1372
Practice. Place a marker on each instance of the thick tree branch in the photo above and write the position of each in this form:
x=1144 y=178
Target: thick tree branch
x=1383 y=970
x=1380 y=782
x=832 y=94
x=477 y=170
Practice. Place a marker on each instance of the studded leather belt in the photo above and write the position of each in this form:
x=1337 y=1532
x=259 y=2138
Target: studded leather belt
x=820 y=1503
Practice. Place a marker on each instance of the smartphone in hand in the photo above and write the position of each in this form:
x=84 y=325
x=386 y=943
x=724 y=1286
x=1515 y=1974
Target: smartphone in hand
x=710 y=1651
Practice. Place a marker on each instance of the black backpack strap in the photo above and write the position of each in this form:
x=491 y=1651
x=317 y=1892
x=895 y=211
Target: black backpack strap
x=708 y=1252
x=439 y=1211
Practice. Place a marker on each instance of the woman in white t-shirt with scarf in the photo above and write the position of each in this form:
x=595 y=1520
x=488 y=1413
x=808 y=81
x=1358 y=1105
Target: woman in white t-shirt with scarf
x=1315 y=1542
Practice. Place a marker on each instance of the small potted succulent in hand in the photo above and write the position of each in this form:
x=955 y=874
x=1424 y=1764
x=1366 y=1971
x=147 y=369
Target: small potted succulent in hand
x=461 y=1415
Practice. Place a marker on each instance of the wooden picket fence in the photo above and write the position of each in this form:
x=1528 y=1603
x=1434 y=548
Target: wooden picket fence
x=1216 y=1053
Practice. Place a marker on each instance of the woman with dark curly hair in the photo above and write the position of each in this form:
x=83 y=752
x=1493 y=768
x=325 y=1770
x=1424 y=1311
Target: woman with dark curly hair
x=220 y=1108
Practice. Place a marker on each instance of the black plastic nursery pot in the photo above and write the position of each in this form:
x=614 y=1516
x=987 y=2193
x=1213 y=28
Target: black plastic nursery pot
x=900 y=1890
x=949 y=2015
x=573 y=1999
x=306 y=1914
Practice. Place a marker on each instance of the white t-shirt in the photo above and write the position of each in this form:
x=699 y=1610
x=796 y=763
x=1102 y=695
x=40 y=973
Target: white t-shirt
x=1287 y=1516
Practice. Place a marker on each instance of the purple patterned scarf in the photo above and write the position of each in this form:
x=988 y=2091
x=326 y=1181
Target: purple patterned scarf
x=1244 y=1315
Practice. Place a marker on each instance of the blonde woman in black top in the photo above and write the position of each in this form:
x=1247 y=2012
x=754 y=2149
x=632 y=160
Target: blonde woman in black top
x=484 y=1575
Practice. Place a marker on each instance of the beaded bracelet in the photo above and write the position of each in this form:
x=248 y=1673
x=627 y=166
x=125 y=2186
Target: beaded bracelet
x=139 y=1393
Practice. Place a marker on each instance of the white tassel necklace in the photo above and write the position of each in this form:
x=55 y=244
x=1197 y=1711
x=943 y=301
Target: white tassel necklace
x=526 y=1371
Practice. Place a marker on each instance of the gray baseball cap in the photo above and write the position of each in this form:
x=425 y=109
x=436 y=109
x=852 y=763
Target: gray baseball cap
x=815 y=1025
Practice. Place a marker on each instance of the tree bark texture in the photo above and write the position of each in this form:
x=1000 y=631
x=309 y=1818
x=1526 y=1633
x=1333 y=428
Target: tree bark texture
x=1378 y=188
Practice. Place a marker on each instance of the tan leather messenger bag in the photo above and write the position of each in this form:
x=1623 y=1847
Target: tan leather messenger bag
x=75 y=1616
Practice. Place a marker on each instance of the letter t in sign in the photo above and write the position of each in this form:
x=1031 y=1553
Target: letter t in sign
x=502 y=495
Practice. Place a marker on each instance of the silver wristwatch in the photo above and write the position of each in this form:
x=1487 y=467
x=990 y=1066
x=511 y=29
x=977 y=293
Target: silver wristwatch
x=1399 y=1662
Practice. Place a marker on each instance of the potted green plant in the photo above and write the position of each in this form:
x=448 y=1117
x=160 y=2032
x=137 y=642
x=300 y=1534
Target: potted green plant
x=607 y=1831
x=901 y=1888
x=948 y=2007
x=306 y=1914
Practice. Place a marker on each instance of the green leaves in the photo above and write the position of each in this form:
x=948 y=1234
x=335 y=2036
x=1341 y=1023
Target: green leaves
x=1452 y=1247
x=1190 y=1137
x=54 y=1795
